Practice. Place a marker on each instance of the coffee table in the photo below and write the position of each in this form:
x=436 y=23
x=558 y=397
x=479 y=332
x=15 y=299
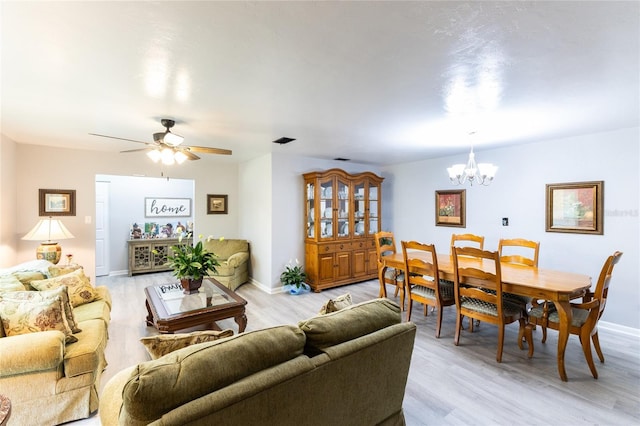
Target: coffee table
x=169 y=309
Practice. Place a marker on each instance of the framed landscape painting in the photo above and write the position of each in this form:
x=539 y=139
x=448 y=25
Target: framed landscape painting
x=57 y=202
x=216 y=204
x=451 y=208
x=575 y=207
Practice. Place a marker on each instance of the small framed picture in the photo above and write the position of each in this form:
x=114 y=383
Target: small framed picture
x=216 y=204
x=451 y=208
x=57 y=202
x=575 y=207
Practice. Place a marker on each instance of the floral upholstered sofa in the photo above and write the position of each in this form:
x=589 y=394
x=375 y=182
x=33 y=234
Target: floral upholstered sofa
x=52 y=342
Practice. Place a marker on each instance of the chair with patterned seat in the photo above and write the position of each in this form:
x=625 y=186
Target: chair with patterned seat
x=467 y=240
x=519 y=251
x=472 y=301
x=386 y=244
x=425 y=287
x=585 y=315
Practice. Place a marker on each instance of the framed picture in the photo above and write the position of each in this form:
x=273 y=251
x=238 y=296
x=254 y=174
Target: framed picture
x=57 y=202
x=575 y=207
x=216 y=204
x=167 y=207
x=451 y=208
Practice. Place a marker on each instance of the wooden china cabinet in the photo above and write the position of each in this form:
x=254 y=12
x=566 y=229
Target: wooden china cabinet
x=342 y=212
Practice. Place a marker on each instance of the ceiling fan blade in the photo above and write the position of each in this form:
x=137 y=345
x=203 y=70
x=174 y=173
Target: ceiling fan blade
x=120 y=139
x=190 y=155
x=207 y=150
x=136 y=150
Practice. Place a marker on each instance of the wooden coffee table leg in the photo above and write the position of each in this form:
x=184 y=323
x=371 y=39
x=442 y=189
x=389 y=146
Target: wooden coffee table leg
x=149 y=314
x=241 y=320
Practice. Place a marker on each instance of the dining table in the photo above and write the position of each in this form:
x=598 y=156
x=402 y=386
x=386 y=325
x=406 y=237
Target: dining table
x=539 y=283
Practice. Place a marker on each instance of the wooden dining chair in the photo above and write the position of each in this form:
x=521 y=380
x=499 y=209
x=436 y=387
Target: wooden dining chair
x=473 y=302
x=585 y=315
x=425 y=286
x=386 y=244
x=519 y=251
x=467 y=240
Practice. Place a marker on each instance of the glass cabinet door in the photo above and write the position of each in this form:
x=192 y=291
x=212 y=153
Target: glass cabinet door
x=374 y=208
x=310 y=211
x=327 y=207
x=359 y=208
x=342 y=206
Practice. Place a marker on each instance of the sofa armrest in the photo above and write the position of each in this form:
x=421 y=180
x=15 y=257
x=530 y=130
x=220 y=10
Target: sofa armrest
x=237 y=259
x=26 y=353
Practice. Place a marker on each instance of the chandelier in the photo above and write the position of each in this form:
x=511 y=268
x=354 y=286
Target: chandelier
x=482 y=173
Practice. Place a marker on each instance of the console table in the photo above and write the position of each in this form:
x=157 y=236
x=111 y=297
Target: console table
x=150 y=255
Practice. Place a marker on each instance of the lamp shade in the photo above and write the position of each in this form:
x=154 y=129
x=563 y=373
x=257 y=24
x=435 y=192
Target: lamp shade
x=48 y=231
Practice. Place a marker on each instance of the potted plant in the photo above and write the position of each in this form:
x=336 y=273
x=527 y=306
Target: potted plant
x=293 y=277
x=191 y=263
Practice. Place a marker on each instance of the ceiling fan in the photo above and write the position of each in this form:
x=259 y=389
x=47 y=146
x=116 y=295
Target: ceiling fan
x=167 y=147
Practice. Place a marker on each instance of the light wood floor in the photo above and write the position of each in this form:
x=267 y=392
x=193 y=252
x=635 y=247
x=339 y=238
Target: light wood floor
x=448 y=384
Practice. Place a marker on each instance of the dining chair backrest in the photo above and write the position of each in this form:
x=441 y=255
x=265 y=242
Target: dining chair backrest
x=467 y=240
x=385 y=243
x=519 y=251
x=602 y=286
x=476 y=270
x=427 y=265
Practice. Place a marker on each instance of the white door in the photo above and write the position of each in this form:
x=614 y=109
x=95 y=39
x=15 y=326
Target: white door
x=102 y=229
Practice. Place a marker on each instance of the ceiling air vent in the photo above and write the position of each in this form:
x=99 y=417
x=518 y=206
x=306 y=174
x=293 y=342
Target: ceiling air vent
x=284 y=140
x=341 y=159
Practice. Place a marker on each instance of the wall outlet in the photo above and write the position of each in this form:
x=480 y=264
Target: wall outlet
x=505 y=221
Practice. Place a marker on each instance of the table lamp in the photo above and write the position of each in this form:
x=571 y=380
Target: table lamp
x=50 y=230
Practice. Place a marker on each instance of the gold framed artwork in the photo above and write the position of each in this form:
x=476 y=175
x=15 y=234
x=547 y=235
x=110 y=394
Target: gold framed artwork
x=216 y=204
x=57 y=202
x=451 y=208
x=575 y=207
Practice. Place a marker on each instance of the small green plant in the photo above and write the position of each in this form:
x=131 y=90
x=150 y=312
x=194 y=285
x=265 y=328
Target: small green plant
x=192 y=261
x=293 y=275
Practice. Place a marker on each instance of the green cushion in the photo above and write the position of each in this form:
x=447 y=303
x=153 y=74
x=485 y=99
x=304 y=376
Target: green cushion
x=10 y=283
x=349 y=323
x=158 y=386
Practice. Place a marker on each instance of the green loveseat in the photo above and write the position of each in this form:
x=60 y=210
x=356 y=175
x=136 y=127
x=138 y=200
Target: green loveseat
x=233 y=255
x=348 y=367
x=47 y=380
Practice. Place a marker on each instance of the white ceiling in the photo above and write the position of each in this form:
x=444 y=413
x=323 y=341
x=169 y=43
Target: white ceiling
x=375 y=82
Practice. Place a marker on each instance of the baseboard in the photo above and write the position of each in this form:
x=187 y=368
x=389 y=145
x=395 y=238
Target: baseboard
x=617 y=328
x=269 y=290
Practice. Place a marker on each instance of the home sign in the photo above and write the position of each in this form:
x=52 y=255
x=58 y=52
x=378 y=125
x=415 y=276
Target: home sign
x=167 y=207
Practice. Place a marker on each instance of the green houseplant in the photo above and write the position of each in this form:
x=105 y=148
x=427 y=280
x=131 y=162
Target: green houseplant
x=293 y=277
x=191 y=263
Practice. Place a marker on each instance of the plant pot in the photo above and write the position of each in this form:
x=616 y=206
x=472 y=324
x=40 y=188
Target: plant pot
x=190 y=286
x=292 y=289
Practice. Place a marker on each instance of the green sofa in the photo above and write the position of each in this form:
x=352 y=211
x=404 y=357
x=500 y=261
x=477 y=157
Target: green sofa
x=47 y=380
x=348 y=367
x=233 y=255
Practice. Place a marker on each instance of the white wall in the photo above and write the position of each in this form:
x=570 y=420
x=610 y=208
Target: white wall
x=59 y=168
x=8 y=194
x=126 y=206
x=518 y=193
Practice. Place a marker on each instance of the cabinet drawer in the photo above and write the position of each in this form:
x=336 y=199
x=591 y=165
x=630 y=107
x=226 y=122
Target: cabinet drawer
x=334 y=248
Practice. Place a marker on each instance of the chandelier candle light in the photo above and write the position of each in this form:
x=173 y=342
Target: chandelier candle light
x=48 y=231
x=482 y=173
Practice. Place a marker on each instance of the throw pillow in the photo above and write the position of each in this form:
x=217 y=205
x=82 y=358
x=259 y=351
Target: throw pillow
x=10 y=283
x=336 y=304
x=163 y=344
x=27 y=316
x=60 y=292
x=79 y=287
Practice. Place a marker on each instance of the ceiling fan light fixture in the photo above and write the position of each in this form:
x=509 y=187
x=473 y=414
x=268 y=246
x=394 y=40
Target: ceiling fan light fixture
x=155 y=155
x=167 y=156
x=180 y=157
x=172 y=139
